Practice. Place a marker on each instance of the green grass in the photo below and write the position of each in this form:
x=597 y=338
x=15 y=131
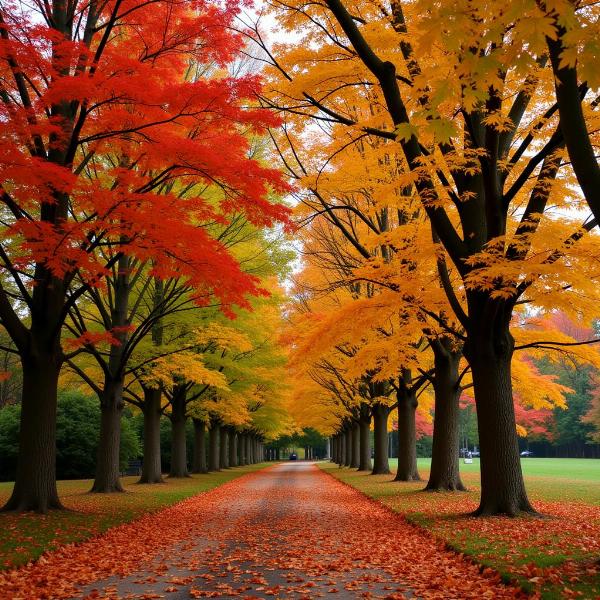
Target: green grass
x=545 y=555
x=580 y=469
x=24 y=537
x=556 y=479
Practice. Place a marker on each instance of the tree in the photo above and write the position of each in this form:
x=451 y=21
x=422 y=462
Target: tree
x=75 y=94
x=475 y=146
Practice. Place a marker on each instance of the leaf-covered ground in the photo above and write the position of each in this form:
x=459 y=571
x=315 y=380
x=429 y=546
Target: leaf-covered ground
x=25 y=537
x=290 y=531
x=555 y=556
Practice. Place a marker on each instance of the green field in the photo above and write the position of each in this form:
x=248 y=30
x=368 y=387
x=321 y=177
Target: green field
x=543 y=476
x=584 y=469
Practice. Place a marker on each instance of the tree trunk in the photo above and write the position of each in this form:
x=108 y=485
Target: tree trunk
x=381 y=464
x=152 y=463
x=342 y=449
x=224 y=448
x=111 y=399
x=199 y=463
x=407 y=431
x=151 y=466
x=178 y=418
x=35 y=483
x=214 y=435
x=107 y=462
x=250 y=450
x=355 y=458
x=444 y=474
x=489 y=348
x=242 y=441
x=349 y=449
x=365 y=441
x=233 y=452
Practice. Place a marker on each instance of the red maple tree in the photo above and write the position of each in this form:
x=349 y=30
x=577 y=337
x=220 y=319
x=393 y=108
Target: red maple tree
x=109 y=110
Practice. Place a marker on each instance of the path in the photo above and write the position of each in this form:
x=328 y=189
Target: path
x=289 y=531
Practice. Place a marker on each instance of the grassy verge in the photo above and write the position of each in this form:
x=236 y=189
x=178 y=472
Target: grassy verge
x=555 y=556
x=24 y=537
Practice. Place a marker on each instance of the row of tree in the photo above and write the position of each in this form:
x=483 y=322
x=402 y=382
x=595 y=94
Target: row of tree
x=138 y=218
x=77 y=426
x=444 y=156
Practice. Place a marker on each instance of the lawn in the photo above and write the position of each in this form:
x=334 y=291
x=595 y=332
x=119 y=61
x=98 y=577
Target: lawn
x=24 y=537
x=554 y=556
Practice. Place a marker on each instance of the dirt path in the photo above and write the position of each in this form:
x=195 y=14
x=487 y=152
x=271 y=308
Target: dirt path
x=290 y=531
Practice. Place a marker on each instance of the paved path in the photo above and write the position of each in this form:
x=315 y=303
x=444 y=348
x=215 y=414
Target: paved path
x=291 y=531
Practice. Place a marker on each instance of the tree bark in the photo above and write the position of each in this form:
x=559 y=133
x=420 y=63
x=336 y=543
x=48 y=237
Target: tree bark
x=489 y=348
x=407 y=432
x=35 y=483
x=214 y=435
x=199 y=463
x=108 y=474
x=152 y=463
x=444 y=474
x=365 y=441
x=349 y=449
x=355 y=458
x=178 y=418
x=233 y=452
x=242 y=442
x=224 y=448
x=250 y=450
x=151 y=466
x=111 y=399
x=381 y=464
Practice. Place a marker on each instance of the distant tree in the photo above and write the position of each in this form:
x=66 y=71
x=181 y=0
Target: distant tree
x=10 y=371
x=570 y=428
x=592 y=417
x=9 y=434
